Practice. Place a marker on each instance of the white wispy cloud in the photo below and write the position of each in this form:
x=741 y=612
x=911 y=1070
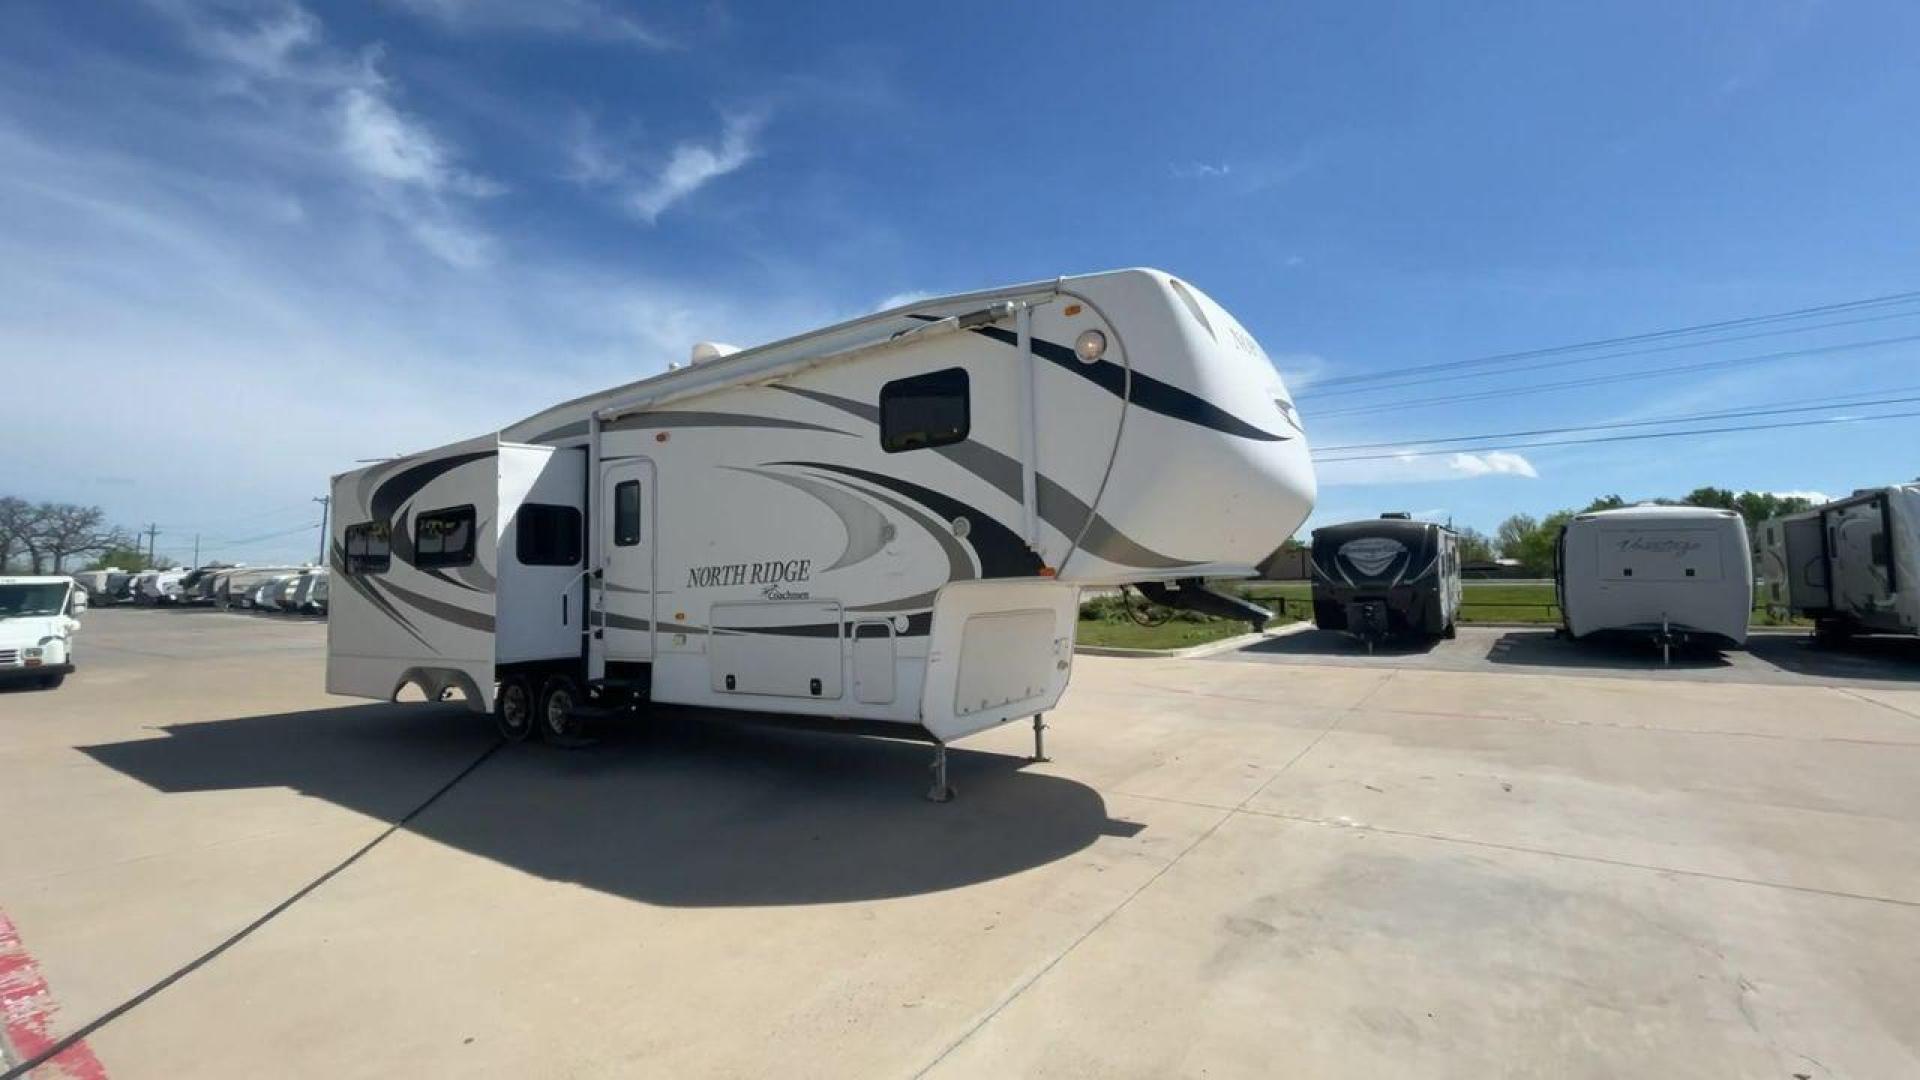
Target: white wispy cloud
x=310 y=93
x=1200 y=170
x=901 y=299
x=588 y=19
x=392 y=147
x=1412 y=469
x=278 y=284
x=1300 y=369
x=688 y=167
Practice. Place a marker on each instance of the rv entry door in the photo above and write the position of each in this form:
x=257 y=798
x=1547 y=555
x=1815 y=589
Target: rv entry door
x=623 y=593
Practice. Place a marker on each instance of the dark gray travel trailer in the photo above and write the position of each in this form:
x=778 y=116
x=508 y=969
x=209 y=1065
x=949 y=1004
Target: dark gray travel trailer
x=1385 y=578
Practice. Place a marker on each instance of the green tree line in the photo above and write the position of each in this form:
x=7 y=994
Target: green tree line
x=1531 y=540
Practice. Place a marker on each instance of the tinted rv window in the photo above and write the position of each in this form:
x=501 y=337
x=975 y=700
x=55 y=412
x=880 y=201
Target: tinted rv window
x=926 y=410
x=626 y=513
x=443 y=537
x=368 y=548
x=547 y=535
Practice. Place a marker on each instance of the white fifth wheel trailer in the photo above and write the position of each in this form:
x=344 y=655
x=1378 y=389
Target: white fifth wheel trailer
x=885 y=522
x=1853 y=565
x=1673 y=575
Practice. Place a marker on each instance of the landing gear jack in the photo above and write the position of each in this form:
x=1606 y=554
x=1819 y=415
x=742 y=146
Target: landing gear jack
x=1039 y=738
x=941 y=790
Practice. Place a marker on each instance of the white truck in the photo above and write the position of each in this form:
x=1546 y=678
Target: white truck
x=37 y=624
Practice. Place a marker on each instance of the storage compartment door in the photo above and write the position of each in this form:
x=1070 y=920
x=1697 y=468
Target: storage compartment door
x=788 y=649
x=873 y=662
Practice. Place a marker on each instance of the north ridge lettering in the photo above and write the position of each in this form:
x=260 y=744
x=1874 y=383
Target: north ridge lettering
x=772 y=572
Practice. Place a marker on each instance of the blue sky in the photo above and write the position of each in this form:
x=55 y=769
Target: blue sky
x=245 y=243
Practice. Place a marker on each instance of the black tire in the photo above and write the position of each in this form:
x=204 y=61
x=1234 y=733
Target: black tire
x=558 y=717
x=1832 y=632
x=51 y=682
x=1452 y=631
x=513 y=710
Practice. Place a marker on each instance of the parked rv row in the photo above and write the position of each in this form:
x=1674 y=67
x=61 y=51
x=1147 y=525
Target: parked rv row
x=290 y=589
x=1673 y=576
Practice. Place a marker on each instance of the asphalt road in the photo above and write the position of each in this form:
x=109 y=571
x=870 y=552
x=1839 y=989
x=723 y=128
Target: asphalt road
x=1301 y=865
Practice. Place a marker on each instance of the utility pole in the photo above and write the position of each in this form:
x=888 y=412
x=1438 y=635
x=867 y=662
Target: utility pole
x=153 y=530
x=325 y=502
x=196 y=551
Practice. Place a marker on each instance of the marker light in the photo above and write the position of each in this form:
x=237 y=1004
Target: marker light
x=1091 y=345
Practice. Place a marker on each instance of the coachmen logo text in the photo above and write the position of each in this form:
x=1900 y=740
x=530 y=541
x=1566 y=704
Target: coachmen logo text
x=772 y=572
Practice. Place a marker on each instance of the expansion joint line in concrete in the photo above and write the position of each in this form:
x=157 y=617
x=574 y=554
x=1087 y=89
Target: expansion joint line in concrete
x=1624 y=864
x=1030 y=981
x=21 y=1070
x=1857 y=696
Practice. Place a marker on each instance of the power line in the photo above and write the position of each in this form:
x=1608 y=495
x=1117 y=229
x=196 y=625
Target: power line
x=1313 y=392
x=1758 y=410
x=1656 y=335
x=269 y=536
x=1633 y=438
x=1599 y=380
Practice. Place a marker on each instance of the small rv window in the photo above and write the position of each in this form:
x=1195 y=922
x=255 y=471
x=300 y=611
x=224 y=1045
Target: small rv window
x=626 y=513
x=547 y=535
x=368 y=548
x=925 y=410
x=443 y=537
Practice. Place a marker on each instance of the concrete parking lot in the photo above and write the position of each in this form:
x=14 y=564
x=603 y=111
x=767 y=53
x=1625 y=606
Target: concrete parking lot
x=1280 y=861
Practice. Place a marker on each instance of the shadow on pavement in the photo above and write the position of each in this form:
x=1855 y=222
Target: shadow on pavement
x=1334 y=643
x=1877 y=658
x=672 y=810
x=1542 y=648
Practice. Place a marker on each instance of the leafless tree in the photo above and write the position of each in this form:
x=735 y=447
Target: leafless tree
x=16 y=528
x=67 y=530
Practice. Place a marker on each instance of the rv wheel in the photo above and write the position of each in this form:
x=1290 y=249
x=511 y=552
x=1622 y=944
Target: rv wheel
x=513 y=710
x=559 y=720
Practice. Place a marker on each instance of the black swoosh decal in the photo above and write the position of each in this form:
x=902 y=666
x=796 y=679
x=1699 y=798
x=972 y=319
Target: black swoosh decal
x=1000 y=550
x=394 y=492
x=1058 y=507
x=1148 y=392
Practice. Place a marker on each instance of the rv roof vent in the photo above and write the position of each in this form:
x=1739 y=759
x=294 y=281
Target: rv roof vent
x=1396 y=515
x=712 y=350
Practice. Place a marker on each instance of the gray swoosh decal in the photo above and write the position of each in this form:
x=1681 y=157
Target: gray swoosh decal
x=364 y=587
x=652 y=420
x=905 y=603
x=959 y=560
x=564 y=431
x=865 y=526
x=440 y=609
x=1058 y=507
x=869 y=413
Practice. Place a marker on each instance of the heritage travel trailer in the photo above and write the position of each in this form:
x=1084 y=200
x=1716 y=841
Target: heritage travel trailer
x=885 y=522
x=1852 y=566
x=1673 y=575
x=1390 y=577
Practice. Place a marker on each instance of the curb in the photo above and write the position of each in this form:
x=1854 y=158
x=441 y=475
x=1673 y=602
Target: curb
x=1192 y=652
